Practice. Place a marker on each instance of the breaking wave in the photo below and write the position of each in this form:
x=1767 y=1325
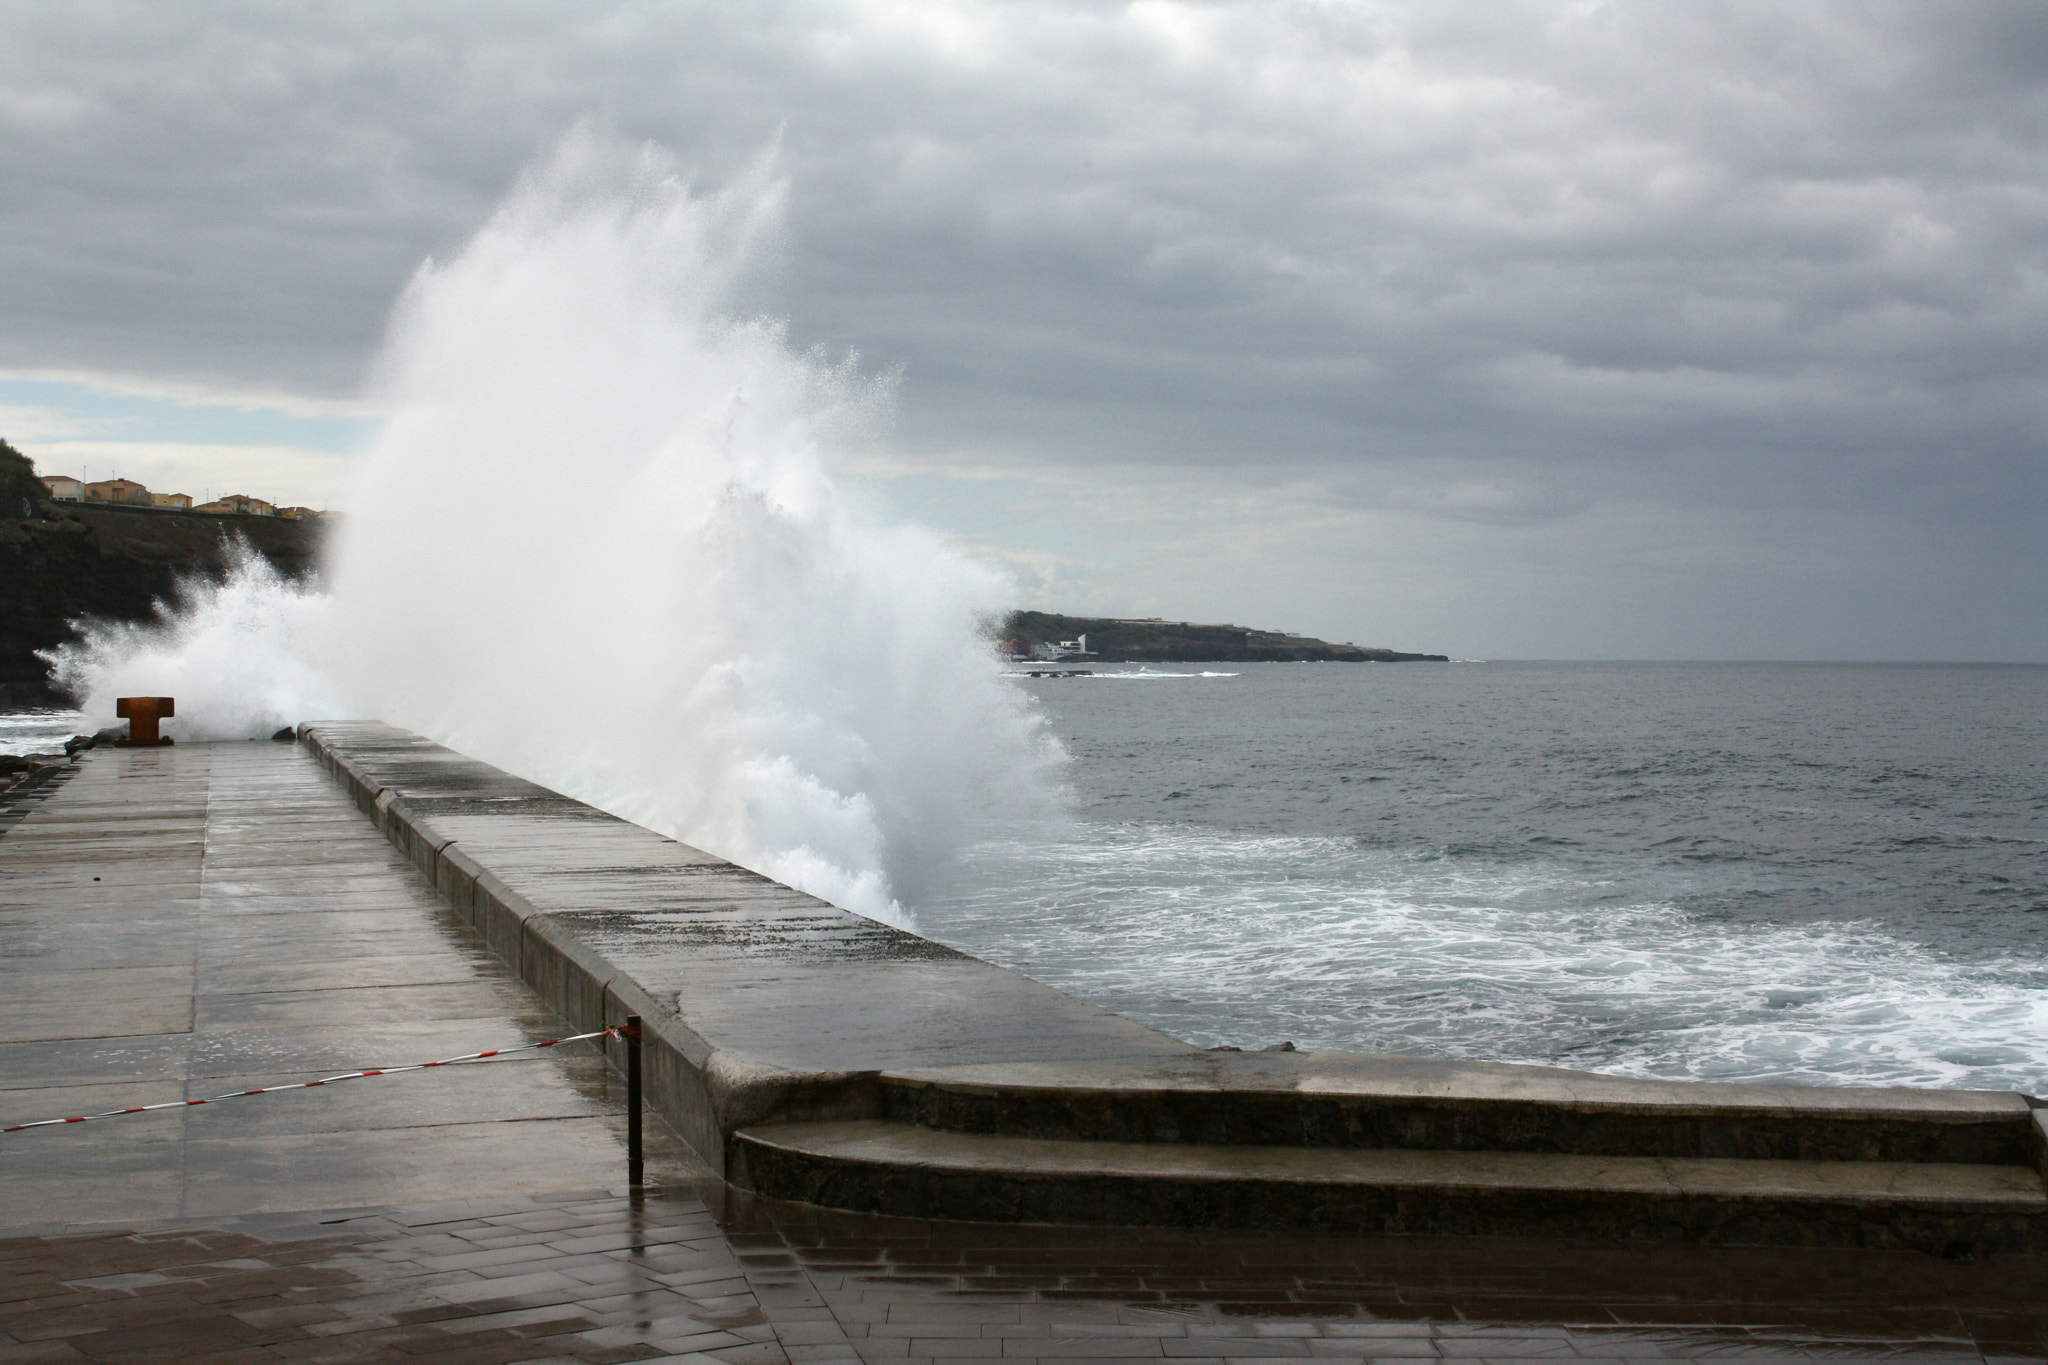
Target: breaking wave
x=596 y=543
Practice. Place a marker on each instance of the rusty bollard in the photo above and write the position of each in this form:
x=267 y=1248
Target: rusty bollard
x=142 y=714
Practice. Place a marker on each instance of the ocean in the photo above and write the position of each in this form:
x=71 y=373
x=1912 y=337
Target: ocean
x=41 y=731
x=1791 y=873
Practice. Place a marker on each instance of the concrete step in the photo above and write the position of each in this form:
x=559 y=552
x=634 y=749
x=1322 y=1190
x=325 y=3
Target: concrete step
x=1360 y=1100
x=902 y=1169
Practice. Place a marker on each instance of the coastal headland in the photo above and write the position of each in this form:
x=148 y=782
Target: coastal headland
x=1153 y=640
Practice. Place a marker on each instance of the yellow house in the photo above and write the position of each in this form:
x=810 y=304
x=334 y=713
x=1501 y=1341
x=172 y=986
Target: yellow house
x=123 y=491
x=176 y=501
x=238 y=504
x=299 y=513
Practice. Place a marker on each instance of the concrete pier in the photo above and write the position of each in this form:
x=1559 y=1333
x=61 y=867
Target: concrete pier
x=178 y=923
x=810 y=1054
x=189 y=921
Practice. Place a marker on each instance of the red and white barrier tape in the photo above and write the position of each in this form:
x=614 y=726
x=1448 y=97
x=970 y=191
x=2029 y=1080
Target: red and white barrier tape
x=325 y=1080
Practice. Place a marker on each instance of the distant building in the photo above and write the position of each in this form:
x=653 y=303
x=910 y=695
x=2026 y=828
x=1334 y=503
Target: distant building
x=177 y=502
x=238 y=504
x=125 y=492
x=64 y=488
x=1065 y=649
x=299 y=513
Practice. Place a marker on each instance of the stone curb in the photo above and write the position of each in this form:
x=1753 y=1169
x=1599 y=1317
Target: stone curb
x=703 y=1093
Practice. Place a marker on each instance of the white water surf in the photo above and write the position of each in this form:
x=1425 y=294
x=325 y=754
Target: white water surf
x=596 y=543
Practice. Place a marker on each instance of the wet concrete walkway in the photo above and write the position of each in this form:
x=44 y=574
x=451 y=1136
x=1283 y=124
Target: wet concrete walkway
x=183 y=922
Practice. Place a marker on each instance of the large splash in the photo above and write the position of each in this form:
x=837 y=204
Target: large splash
x=596 y=543
x=239 y=656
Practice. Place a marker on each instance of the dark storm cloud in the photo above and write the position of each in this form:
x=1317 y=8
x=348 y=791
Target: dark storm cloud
x=1496 y=263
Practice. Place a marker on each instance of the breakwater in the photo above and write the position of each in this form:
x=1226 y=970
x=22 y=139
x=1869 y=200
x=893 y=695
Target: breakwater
x=812 y=1054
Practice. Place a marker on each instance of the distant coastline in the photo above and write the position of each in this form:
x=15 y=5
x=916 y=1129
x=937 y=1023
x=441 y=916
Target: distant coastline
x=1047 y=636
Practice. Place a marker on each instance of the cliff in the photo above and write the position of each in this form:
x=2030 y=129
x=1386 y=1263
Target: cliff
x=1113 y=640
x=60 y=562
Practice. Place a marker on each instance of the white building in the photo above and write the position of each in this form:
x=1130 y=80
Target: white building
x=1065 y=649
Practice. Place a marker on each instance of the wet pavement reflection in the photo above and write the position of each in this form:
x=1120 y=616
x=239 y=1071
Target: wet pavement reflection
x=699 y=1273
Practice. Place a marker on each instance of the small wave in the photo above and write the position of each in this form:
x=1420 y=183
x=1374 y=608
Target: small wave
x=1143 y=674
x=1148 y=674
x=39 y=731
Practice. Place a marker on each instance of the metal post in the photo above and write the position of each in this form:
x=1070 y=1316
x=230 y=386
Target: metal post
x=634 y=1169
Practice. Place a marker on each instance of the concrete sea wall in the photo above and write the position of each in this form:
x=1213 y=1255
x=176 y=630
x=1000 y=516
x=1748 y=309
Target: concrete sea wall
x=763 y=1004
x=812 y=1054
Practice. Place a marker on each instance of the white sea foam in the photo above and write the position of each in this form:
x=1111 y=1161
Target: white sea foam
x=1224 y=938
x=239 y=656
x=596 y=544
x=1149 y=674
x=39 y=732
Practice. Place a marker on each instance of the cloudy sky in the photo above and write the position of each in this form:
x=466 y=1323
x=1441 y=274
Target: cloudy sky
x=1702 y=329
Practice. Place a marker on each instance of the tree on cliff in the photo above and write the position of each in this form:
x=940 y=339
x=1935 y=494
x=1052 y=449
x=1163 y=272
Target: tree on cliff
x=21 y=493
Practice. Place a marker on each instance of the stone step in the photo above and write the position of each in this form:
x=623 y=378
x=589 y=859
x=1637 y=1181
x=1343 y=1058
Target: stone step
x=904 y=1170
x=1343 y=1099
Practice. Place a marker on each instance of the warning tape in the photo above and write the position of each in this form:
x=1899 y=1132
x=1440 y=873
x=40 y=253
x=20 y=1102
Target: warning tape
x=613 y=1032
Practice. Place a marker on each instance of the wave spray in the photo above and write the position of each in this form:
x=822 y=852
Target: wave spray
x=596 y=544
x=238 y=655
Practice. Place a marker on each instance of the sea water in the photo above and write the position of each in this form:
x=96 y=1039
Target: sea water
x=1796 y=873
x=42 y=730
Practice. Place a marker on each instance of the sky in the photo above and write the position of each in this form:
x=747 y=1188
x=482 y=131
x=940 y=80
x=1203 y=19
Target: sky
x=1700 y=329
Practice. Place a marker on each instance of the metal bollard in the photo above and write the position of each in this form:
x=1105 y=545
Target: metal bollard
x=142 y=715
x=635 y=1168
